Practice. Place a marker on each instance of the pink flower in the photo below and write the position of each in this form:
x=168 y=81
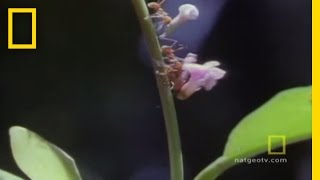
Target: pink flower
x=200 y=76
x=191 y=58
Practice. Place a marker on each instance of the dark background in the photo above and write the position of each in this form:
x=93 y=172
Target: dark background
x=89 y=89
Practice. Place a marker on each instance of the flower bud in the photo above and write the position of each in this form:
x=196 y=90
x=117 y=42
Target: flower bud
x=186 y=12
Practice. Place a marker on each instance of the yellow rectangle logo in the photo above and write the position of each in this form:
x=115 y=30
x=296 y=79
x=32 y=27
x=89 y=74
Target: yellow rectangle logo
x=274 y=139
x=33 y=44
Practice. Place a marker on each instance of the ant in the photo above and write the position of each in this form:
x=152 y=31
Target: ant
x=173 y=65
x=165 y=20
x=159 y=13
x=168 y=51
x=156 y=7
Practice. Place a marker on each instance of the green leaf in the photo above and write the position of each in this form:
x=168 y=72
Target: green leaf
x=288 y=114
x=7 y=176
x=39 y=159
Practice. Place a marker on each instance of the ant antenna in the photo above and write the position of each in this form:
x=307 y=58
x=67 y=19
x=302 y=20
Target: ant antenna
x=161 y=2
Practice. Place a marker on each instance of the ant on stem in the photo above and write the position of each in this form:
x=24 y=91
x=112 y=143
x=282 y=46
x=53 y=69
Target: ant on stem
x=168 y=51
x=159 y=13
x=173 y=64
x=156 y=7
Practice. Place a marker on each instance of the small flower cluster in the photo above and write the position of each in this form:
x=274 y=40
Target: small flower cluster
x=185 y=74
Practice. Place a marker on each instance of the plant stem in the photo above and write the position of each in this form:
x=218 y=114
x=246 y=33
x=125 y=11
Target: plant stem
x=169 y=112
x=215 y=169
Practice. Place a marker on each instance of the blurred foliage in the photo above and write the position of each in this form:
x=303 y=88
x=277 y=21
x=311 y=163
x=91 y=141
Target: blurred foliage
x=288 y=115
x=39 y=159
x=7 y=176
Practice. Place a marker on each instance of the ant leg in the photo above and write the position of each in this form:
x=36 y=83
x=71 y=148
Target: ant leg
x=179 y=48
x=165 y=68
x=156 y=16
x=174 y=42
x=180 y=59
x=159 y=26
x=170 y=61
x=161 y=73
x=164 y=75
x=161 y=1
x=160 y=64
x=153 y=16
x=163 y=35
x=171 y=86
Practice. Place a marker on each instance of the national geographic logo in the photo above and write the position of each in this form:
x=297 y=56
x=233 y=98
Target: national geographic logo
x=16 y=11
x=273 y=141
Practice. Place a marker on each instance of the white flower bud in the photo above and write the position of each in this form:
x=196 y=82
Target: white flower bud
x=186 y=12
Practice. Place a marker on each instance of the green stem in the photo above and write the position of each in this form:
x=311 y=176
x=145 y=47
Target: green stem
x=215 y=169
x=169 y=112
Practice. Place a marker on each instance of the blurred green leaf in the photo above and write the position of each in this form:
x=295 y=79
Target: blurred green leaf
x=7 y=176
x=39 y=159
x=287 y=114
